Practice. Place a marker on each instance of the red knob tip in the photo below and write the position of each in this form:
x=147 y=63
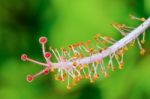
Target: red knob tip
x=47 y=55
x=42 y=40
x=24 y=57
x=29 y=78
x=46 y=72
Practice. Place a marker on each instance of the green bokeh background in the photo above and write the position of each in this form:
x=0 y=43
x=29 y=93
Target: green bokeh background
x=65 y=22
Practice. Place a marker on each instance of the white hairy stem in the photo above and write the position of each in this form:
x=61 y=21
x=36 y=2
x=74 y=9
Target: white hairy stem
x=110 y=50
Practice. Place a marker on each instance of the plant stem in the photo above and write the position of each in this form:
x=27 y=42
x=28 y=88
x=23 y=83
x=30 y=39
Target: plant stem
x=110 y=50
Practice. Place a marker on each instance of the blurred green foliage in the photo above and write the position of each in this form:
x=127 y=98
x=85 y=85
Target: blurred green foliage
x=65 y=22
